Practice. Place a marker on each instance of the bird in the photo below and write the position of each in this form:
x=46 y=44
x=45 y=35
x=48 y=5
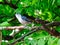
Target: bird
x=25 y=20
x=22 y=19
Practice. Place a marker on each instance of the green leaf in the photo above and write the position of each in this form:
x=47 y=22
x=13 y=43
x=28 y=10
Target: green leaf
x=5 y=24
x=41 y=42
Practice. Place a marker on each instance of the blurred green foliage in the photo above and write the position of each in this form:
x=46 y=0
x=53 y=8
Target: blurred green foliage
x=44 y=9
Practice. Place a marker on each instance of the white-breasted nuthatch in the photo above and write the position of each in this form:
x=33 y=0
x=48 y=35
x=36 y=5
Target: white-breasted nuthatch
x=22 y=19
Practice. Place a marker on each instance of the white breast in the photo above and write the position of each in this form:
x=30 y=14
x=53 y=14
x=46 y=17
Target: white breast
x=18 y=16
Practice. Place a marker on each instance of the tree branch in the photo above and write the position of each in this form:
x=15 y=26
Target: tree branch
x=45 y=27
x=52 y=32
x=11 y=28
x=53 y=24
x=22 y=37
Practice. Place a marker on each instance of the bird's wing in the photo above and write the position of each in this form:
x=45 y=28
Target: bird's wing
x=25 y=18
